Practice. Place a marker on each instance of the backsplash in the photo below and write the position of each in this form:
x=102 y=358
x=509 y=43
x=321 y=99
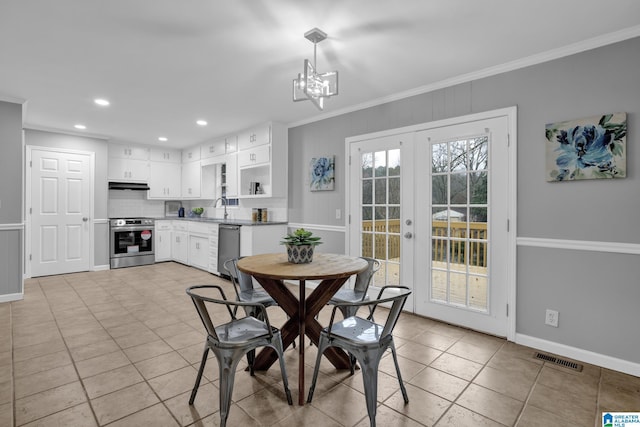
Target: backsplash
x=123 y=204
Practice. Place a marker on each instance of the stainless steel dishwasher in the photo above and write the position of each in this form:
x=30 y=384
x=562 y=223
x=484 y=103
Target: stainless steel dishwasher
x=228 y=245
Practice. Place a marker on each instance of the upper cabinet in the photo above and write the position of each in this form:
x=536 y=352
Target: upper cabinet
x=262 y=161
x=128 y=163
x=191 y=154
x=165 y=155
x=133 y=152
x=259 y=135
x=213 y=149
x=165 y=174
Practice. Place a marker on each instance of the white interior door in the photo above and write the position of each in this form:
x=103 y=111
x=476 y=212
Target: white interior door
x=433 y=205
x=463 y=224
x=61 y=207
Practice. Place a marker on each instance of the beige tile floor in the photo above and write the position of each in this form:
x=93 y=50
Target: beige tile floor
x=122 y=348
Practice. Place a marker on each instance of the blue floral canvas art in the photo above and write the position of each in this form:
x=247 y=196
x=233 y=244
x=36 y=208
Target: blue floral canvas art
x=322 y=173
x=589 y=148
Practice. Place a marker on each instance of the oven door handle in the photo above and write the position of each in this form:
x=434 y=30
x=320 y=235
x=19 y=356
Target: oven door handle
x=132 y=228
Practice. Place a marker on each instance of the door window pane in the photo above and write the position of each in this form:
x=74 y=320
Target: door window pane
x=459 y=188
x=381 y=213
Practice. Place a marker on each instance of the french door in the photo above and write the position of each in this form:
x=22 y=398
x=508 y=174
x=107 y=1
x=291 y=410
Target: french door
x=433 y=205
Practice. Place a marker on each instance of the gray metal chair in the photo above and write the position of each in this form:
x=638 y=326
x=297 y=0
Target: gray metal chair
x=366 y=341
x=230 y=341
x=243 y=285
x=359 y=291
x=245 y=292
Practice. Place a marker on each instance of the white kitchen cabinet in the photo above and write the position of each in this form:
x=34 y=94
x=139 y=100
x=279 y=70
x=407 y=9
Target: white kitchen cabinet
x=214 y=148
x=165 y=155
x=164 y=180
x=258 y=135
x=162 y=241
x=128 y=170
x=262 y=158
x=199 y=252
x=124 y=151
x=128 y=163
x=191 y=154
x=209 y=182
x=180 y=242
x=254 y=156
x=231 y=144
x=191 y=180
x=199 y=244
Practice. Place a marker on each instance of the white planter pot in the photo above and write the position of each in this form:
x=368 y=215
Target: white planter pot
x=300 y=254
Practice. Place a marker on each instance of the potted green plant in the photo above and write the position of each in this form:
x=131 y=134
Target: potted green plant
x=300 y=245
x=197 y=211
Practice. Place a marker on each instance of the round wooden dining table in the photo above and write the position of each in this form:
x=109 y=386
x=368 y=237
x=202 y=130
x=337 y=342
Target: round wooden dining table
x=271 y=270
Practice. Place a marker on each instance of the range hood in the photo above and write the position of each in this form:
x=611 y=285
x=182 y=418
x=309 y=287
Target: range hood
x=128 y=186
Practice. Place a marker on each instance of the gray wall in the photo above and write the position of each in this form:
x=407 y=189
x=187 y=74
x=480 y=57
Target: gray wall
x=99 y=147
x=582 y=285
x=11 y=253
x=10 y=163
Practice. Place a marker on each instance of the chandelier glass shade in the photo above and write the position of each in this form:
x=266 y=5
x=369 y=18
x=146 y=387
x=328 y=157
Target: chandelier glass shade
x=310 y=84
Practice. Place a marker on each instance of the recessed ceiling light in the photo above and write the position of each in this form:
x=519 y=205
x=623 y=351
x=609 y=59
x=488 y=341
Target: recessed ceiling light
x=78 y=126
x=163 y=139
x=101 y=102
x=201 y=122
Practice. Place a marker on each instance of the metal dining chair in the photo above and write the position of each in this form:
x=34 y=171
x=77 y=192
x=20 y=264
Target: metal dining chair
x=246 y=292
x=230 y=341
x=366 y=341
x=243 y=285
x=359 y=291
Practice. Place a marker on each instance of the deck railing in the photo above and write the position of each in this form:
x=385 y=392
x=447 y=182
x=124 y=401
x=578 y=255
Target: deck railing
x=384 y=236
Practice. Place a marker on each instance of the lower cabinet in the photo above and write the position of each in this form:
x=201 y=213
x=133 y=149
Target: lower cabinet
x=163 y=241
x=196 y=243
x=199 y=252
x=180 y=242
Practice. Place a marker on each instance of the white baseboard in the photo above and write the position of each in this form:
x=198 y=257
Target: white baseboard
x=581 y=355
x=11 y=297
x=101 y=267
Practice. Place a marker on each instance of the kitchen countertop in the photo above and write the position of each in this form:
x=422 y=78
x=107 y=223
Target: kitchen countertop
x=221 y=220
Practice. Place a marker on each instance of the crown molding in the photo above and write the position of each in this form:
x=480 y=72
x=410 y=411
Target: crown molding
x=28 y=126
x=571 y=49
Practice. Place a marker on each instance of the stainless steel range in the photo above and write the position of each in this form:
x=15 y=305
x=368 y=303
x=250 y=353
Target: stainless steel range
x=131 y=241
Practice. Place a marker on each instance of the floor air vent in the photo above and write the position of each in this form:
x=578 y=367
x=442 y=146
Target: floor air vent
x=556 y=360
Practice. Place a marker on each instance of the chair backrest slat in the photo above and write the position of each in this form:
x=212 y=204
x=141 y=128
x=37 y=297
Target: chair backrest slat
x=396 y=308
x=363 y=279
x=241 y=280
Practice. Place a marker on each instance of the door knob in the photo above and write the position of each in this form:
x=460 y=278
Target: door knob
x=408 y=222
x=408 y=235
x=85 y=219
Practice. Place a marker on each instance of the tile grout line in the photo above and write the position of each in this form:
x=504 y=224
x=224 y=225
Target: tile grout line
x=469 y=382
x=144 y=379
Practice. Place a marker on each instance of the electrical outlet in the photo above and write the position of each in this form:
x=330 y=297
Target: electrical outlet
x=551 y=318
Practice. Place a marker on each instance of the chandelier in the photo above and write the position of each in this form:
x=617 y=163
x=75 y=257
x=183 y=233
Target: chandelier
x=310 y=84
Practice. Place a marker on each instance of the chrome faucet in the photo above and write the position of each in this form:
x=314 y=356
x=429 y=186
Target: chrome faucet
x=224 y=204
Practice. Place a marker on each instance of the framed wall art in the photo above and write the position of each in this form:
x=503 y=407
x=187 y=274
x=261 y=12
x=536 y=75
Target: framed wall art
x=322 y=171
x=590 y=148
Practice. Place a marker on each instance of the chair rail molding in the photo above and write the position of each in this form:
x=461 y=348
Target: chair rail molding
x=580 y=245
